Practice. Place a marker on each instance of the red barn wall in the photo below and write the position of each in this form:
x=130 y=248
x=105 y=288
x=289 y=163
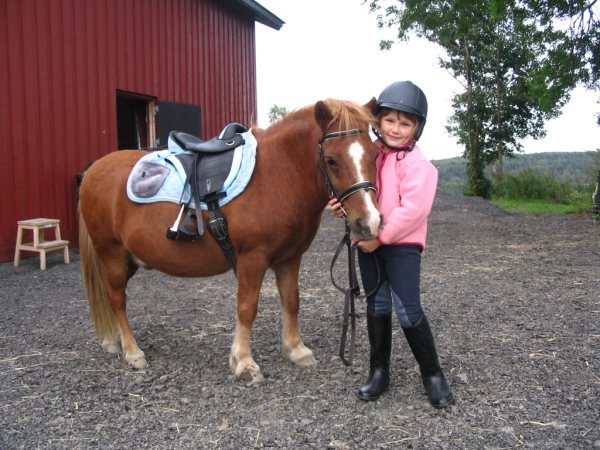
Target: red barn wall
x=61 y=64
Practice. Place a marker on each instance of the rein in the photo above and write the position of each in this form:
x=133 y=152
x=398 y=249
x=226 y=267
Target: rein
x=353 y=290
x=351 y=293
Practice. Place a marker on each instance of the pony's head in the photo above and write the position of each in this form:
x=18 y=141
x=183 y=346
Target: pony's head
x=347 y=160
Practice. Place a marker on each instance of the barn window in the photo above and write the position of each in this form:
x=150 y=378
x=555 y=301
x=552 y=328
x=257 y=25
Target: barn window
x=136 y=126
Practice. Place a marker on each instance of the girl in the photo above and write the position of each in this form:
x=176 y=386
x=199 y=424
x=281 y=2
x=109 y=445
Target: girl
x=390 y=265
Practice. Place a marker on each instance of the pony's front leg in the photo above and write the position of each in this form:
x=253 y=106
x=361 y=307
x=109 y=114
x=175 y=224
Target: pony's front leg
x=250 y=277
x=287 y=283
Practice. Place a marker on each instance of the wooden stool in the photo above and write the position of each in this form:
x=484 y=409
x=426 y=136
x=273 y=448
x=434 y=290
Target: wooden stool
x=39 y=244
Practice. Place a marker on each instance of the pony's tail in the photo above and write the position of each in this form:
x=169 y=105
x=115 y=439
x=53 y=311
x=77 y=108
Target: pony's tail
x=94 y=279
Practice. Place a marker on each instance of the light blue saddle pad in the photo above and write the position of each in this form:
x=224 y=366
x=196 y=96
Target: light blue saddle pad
x=160 y=177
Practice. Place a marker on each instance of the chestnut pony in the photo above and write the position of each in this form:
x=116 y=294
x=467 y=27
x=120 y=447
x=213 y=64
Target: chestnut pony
x=312 y=153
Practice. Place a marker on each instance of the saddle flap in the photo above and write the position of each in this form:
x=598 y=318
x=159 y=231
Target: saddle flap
x=211 y=172
x=207 y=173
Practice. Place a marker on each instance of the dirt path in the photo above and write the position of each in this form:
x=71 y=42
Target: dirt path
x=514 y=303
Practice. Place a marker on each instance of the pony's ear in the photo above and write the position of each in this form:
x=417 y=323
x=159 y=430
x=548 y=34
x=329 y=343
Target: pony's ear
x=323 y=115
x=372 y=106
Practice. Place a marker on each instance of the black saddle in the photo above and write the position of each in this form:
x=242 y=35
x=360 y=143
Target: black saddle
x=228 y=139
x=207 y=165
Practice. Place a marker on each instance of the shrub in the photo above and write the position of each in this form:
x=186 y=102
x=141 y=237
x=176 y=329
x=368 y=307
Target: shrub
x=531 y=184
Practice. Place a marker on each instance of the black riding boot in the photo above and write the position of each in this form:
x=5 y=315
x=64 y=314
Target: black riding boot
x=380 y=340
x=421 y=343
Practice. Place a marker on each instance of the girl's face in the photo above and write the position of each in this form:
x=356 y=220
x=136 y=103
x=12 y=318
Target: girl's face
x=397 y=128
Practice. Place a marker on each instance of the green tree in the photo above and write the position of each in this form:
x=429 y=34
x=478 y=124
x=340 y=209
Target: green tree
x=276 y=113
x=516 y=64
x=579 y=21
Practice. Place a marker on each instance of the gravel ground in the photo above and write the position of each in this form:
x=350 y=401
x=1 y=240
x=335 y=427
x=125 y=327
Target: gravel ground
x=514 y=303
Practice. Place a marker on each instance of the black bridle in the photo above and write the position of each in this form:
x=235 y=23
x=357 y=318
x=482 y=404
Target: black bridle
x=353 y=289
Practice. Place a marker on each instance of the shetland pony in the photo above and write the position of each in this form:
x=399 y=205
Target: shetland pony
x=310 y=155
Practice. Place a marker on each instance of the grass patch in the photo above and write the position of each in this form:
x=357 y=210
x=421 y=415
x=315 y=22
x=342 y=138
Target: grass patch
x=535 y=193
x=538 y=207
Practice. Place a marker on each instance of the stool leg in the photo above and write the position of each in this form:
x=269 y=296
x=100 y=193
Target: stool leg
x=66 y=253
x=43 y=260
x=38 y=236
x=18 y=246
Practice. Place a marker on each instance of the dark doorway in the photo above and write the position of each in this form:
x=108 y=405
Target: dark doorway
x=136 y=127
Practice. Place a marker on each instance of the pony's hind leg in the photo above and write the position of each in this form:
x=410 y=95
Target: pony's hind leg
x=118 y=273
x=250 y=277
x=105 y=279
x=111 y=344
x=292 y=347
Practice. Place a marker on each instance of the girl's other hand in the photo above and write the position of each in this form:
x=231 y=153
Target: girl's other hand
x=336 y=207
x=368 y=246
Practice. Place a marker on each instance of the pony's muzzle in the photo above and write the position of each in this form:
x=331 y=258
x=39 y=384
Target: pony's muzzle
x=367 y=228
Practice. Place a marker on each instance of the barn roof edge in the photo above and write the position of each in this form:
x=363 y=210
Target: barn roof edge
x=260 y=13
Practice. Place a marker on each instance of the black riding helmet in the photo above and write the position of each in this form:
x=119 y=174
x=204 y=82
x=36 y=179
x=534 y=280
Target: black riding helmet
x=407 y=97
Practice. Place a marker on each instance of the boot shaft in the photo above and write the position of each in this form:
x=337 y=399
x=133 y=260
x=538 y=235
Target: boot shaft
x=380 y=344
x=420 y=340
x=379 y=329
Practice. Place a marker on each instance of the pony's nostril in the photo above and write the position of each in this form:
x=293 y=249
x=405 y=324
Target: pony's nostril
x=363 y=228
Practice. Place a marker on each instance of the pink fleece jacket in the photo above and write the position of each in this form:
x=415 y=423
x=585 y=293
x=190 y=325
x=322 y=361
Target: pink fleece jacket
x=407 y=182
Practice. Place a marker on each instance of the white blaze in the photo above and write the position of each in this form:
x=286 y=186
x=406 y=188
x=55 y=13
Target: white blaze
x=357 y=153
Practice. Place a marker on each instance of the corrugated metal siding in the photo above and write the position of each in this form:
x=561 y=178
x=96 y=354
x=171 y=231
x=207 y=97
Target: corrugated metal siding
x=61 y=64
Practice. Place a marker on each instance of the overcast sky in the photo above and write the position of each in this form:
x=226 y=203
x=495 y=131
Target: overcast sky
x=330 y=48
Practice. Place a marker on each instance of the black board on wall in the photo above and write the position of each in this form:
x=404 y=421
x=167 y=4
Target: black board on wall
x=178 y=116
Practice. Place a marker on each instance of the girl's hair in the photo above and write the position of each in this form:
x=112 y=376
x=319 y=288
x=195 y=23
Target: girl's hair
x=383 y=111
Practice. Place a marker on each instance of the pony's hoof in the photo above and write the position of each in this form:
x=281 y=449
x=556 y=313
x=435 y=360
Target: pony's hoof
x=301 y=356
x=137 y=361
x=110 y=346
x=256 y=379
x=248 y=372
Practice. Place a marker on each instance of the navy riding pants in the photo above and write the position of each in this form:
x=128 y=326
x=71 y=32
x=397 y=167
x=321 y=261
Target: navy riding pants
x=391 y=275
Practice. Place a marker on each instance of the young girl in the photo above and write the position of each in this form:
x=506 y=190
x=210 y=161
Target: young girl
x=390 y=265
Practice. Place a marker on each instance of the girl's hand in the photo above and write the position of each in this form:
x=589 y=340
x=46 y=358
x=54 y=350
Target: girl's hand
x=368 y=246
x=336 y=208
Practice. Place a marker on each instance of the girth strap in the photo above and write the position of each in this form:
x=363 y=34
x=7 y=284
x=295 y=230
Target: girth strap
x=217 y=226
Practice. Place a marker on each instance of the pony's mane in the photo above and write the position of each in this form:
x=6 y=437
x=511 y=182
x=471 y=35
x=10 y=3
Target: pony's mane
x=350 y=114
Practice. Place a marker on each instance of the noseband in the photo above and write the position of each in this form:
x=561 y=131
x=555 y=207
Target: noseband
x=363 y=185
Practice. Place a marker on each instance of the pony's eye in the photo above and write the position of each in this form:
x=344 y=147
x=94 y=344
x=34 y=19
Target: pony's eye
x=331 y=162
